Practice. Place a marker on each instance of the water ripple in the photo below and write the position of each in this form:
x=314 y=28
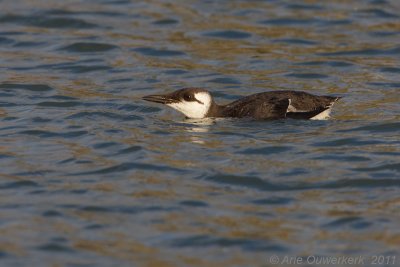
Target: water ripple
x=266 y=150
x=5 y=40
x=59 y=104
x=63 y=12
x=296 y=22
x=193 y=203
x=49 y=134
x=55 y=248
x=84 y=69
x=100 y=114
x=19 y=184
x=386 y=84
x=47 y=22
x=123 y=209
x=258 y=183
x=128 y=166
x=385 y=167
x=350 y=221
x=52 y=213
x=166 y=22
x=228 y=34
x=328 y=63
x=390 y=69
x=365 y=52
x=305 y=6
x=273 y=201
x=376 y=128
x=225 y=80
x=296 y=41
x=129 y=150
x=307 y=75
x=347 y=142
x=380 y=13
x=92 y=175
x=148 y=51
x=83 y=47
x=28 y=87
x=246 y=244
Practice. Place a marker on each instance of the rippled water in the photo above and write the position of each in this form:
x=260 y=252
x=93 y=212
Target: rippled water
x=93 y=176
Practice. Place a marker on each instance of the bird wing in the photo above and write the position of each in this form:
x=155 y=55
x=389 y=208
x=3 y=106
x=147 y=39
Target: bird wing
x=264 y=108
x=279 y=105
x=305 y=102
x=304 y=105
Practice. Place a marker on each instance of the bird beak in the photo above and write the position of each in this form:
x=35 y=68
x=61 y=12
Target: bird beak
x=163 y=99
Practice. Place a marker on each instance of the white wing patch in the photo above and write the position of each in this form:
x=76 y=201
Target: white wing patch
x=290 y=108
x=324 y=115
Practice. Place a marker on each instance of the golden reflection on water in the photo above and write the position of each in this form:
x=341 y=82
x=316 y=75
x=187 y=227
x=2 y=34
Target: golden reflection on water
x=196 y=150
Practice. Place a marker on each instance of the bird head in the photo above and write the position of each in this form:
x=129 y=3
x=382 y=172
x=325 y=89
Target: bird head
x=194 y=103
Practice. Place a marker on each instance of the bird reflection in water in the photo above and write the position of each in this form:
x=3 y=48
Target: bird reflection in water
x=197 y=128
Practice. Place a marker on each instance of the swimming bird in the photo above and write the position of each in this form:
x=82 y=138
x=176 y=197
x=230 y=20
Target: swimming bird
x=198 y=103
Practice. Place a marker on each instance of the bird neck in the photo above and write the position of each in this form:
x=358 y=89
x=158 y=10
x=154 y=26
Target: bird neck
x=215 y=110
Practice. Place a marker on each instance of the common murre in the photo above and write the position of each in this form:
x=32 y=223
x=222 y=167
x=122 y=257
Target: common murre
x=197 y=103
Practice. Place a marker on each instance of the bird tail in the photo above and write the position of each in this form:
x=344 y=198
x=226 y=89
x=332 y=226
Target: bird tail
x=333 y=100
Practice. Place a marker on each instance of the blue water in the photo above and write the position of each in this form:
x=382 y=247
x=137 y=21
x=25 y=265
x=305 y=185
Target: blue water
x=91 y=175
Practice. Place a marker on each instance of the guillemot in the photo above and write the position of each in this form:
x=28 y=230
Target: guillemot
x=198 y=103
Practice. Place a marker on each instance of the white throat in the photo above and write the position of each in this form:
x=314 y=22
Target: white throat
x=194 y=109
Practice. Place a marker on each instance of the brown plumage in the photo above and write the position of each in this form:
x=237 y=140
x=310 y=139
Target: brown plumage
x=198 y=103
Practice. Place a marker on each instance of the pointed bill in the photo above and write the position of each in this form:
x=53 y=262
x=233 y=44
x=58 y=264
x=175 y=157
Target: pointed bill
x=163 y=99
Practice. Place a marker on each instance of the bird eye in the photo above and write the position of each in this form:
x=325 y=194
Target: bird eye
x=188 y=97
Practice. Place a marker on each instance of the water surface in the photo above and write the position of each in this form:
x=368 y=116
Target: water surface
x=93 y=176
